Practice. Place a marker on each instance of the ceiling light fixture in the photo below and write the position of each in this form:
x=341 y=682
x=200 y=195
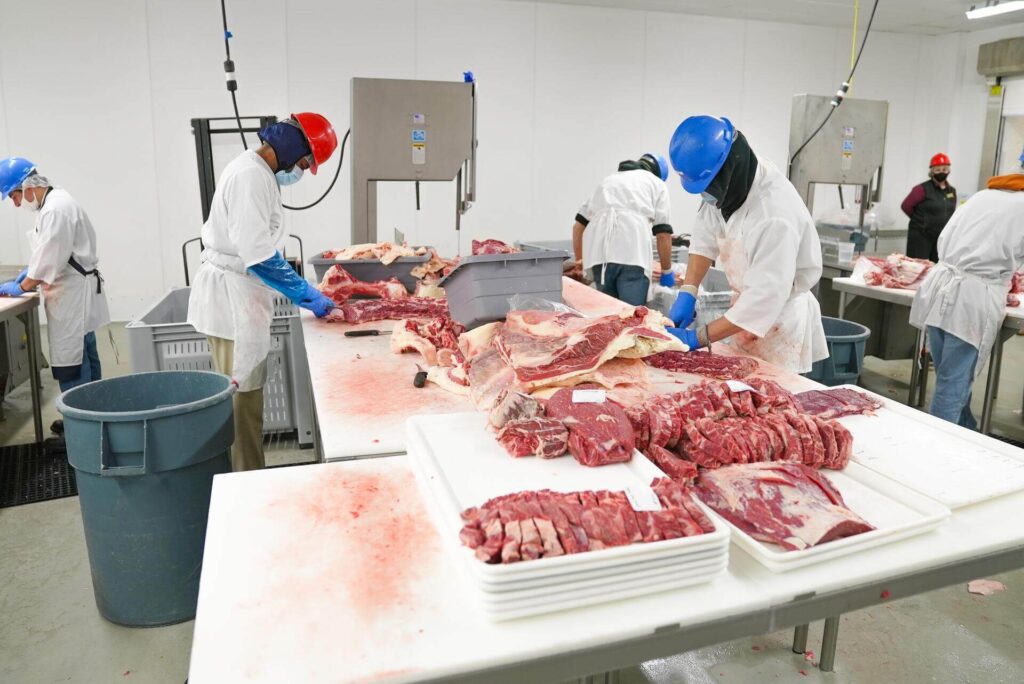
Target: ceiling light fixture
x=994 y=7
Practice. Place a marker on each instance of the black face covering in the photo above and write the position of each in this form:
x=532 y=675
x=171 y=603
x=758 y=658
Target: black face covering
x=630 y=165
x=732 y=182
x=940 y=177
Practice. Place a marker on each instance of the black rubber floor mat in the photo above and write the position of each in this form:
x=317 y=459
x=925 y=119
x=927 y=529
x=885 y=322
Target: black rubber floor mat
x=27 y=475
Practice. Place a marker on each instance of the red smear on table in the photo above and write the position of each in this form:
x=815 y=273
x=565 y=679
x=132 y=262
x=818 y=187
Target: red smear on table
x=126 y=673
x=377 y=676
x=809 y=655
x=755 y=648
x=803 y=672
x=885 y=594
x=364 y=389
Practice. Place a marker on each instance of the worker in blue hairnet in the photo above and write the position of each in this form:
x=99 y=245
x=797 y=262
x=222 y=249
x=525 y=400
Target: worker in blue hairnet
x=961 y=303
x=232 y=298
x=613 y=229
x=755 y=226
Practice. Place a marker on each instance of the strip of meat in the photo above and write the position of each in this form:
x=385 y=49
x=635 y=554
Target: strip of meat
x=680 y=470
x=491 y=246
x=340 y=286
x=704 y=363
x=835 y=403
x=541 y=437
x=426 y=337
x=512 y=405
x=364 y=310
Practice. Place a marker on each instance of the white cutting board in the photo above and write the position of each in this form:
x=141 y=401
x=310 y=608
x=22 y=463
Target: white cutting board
x=948 y=463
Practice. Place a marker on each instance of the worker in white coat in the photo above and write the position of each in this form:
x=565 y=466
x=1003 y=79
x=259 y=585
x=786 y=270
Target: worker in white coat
x=232 y=298
x=612 y=232
x=961 y=303
x=755 y=226
x=64 y=264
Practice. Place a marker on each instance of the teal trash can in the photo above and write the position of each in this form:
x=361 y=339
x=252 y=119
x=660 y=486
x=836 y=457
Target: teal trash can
x=846 y=341
x=145 y=448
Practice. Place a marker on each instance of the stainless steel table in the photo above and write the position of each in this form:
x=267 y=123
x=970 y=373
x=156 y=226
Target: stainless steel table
x=26 y=308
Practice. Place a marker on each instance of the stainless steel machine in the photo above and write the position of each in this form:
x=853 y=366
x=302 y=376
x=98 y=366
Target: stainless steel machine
x=404 y=130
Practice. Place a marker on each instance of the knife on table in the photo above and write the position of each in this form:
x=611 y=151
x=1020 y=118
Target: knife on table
x=366 y=333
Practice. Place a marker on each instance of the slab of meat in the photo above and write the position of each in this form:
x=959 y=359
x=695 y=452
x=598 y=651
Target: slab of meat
x=385 y=252
x=788 y=504
x=544 y=347
x=529 y=525
x=491 y=246
x=512 y=405
x=427 y=337
x=364 y=310
x=1016 y=289
x=895 y=271
x=599 y=434
x=428 y=287
x=612 y=373
x=680 y=470
x=543 y=437
x=340 y=286
x=834 y=403
x=704 y=363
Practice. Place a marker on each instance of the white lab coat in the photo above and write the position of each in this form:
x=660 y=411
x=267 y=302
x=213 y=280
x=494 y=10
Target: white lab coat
x=979 y=250
x=73 y=306
x=622 y=212
x=770 y=252
x=244 y=229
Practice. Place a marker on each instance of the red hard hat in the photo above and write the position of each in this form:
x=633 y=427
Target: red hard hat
x=939 y=160
x=321 y=137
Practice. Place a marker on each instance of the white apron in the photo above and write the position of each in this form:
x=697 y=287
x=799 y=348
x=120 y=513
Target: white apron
x=618 y=236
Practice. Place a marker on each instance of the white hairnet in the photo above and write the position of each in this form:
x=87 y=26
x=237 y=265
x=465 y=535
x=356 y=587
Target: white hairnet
x=36 y=181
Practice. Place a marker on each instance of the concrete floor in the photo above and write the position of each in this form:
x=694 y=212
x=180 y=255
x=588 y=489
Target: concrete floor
x=51 y=632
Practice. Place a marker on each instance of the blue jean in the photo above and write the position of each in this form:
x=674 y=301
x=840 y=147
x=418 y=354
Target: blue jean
x=954 y=377
x=627 y=283
x=90 y=366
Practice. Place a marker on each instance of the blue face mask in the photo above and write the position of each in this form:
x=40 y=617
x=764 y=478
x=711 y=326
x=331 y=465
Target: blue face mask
x=289 y=177
x=709 y=199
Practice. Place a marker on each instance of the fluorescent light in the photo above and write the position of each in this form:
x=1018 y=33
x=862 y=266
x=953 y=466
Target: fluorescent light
x=992 y=10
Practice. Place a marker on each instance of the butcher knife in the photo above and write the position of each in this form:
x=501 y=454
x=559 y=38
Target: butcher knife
x=366 y=333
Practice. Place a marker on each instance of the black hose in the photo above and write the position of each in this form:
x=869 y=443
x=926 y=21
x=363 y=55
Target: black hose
x=229 y=70
x=337 y=172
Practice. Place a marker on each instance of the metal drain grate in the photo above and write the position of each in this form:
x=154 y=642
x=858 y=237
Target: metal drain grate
x=27 y=475
x=281 y=441
x=1008 y=440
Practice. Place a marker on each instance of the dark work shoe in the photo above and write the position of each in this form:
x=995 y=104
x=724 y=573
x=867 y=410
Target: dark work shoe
x=55 y=445
x=57 y=427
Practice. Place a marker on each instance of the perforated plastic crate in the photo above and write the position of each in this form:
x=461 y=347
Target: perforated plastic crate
x=161 y=340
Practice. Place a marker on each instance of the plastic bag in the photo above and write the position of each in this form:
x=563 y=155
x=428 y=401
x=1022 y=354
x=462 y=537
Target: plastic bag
x=530 y=302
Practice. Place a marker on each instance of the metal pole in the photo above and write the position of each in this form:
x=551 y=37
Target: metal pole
x=922 y=392
x=800 y=639
x=828 y=644
x=842 y=304
x=914 y=360
x=31 y=321
x=995 y=363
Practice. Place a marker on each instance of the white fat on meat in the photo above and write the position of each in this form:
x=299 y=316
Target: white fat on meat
x=478 y=340
x=403 y=339
x=447 y=379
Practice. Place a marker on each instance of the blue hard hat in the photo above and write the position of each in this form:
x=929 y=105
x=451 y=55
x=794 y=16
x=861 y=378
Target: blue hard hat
x=699 y=148
x=661 y=162
x=13 y=172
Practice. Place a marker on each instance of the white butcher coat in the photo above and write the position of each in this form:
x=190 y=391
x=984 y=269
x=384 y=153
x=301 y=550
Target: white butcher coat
x=770 y=252
x=244 y=229
x=979 y=250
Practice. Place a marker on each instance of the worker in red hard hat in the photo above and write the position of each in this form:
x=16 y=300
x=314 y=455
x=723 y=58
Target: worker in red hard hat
x=232 y=298
x=929 y=206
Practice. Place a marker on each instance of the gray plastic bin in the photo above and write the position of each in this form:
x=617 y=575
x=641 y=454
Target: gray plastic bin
x=145 y=449
x=479 y=287
x=371 y=270
x=846 y=342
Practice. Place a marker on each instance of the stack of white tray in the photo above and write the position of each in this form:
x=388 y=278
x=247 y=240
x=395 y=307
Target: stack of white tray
x=460 y=465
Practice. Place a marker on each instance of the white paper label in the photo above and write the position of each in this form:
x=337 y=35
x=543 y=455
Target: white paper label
x=737 y=386
x=642 y=498
x=588 y=396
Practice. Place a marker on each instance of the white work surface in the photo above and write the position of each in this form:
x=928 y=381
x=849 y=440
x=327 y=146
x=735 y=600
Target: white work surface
x=12 y=306
x=362 y=392
x=335 y=573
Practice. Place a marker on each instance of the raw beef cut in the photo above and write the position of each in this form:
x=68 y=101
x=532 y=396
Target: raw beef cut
x=544 y=347
x=529 y=525
x=611 y=373
x=385 y=252
x=543 y=437
x=436 y=266
x=788 y=504
x=427 y=337
x=895 y=271
x=340 y=286
x=492 y=246
x=1016 y=289
x=428 y=287
x=704 y=363
x=835 y=403
x=512 y=405
x=365 y=310
x=680 y=470
x=599 y=434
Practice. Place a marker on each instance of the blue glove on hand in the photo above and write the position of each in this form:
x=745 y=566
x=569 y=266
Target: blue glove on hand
x=683 y=309
x=21 y=276
x=11 y=288
x=317 y=302
x=668 y=279
x=687 y=337
x=278 y=275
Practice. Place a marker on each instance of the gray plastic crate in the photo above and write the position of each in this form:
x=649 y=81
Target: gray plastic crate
x=371 y=270
x=161 y=340
x=479 y=287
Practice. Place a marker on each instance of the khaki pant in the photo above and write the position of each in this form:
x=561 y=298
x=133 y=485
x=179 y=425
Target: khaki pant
x=247 y=451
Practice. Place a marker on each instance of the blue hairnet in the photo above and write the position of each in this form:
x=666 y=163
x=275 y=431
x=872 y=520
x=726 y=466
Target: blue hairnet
x=288 y=141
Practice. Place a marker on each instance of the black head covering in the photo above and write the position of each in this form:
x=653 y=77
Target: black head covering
x=732 y=182
x=645 y=163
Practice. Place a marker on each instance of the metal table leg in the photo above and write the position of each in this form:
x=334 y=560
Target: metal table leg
x=922 y=391
x=828 y=644
x=995 y=364
x=913 y=367
x=800 y=639
x=842 y=304
x=31 y=320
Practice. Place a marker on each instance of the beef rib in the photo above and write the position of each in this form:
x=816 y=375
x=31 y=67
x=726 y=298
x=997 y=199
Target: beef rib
x=599 y=433
x=704 y=363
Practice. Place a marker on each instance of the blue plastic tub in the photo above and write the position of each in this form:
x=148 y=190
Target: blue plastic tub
x=145 y=448
x=846 y=342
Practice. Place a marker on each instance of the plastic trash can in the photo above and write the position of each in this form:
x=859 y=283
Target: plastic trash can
x=846 y=342
x=145 y=448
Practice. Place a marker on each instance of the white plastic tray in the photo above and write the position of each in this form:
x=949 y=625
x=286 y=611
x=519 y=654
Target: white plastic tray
x=948 y=463
x=896 y=512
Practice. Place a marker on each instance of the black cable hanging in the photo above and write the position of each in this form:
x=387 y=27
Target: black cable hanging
x=839 y=96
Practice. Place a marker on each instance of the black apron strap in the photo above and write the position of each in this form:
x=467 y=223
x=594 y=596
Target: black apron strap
x=78 y=267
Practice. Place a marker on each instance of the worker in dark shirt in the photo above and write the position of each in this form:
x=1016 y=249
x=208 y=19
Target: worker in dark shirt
x=929 y=206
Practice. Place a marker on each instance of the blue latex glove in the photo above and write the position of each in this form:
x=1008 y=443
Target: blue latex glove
x=11 y=288
x=683 y=309
x=317 y=302
x=21 y=276
x=278 y=275
x=668 y=279
x=687 y=337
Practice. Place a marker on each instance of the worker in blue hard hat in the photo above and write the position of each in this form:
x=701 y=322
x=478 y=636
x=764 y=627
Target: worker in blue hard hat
x=232 y=298
x=64 y=264
x=612 y=232
x=755 y=226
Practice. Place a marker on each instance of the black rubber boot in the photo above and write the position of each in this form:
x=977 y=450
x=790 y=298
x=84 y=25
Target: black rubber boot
x=57 y=427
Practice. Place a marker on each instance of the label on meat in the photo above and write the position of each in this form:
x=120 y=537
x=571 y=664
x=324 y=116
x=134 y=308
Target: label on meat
x=642 y=498
x=588 y=396
x=737 y=386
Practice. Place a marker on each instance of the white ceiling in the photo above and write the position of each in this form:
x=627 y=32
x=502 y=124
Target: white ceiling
x=930 y=17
